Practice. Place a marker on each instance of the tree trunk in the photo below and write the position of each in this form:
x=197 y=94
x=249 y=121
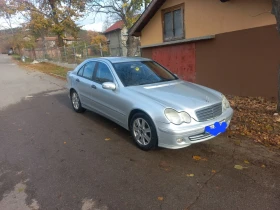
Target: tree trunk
x=56 y=21
x=276 y=12
x=278 y=101
x=129 y=46
x=60 y=41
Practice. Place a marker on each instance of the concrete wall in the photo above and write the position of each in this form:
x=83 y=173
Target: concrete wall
x=243 y=63
x=209 y=17
x=115 y=43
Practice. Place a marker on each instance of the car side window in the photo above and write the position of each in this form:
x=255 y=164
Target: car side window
x=81 y=71
x=88 y=70
x=103 y=74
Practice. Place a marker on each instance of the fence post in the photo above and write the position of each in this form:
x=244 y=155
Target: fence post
x=86 y=50
x=101 y=53
x=59 y=54
x=65 y=54
x=74 y=51
x=45 y=52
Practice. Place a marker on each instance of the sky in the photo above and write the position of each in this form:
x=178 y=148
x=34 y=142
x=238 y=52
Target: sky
x=91 y=22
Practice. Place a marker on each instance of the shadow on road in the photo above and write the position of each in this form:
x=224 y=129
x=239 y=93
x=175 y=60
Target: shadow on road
x=66 y=159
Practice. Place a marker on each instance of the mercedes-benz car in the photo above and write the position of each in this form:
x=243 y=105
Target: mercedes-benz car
x=139 y=94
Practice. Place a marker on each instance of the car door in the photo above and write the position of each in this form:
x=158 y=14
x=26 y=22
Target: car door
x=83 y=84
x=108 y=102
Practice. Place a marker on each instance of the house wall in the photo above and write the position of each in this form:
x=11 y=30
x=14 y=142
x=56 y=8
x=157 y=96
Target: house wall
x=115 y=43
x=209 y=17
x=179 y=58
x=243 y=63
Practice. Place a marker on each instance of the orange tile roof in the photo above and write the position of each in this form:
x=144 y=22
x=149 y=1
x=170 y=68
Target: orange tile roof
x=117 y=25
x=48 y=39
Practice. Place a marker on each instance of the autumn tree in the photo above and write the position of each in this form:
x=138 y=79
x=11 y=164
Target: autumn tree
x=98 y=39
x=276 y=12
x=56 y=16
x=21 y=39
x=126 y=10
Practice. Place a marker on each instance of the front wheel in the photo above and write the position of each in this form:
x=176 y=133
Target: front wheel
x=143 y=131
x=76 y=103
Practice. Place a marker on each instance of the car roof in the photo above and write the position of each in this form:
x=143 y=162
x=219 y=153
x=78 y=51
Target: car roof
x=123 y=59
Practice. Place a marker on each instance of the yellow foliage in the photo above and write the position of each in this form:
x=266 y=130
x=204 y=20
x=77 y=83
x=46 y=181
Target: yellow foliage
x=97 y=39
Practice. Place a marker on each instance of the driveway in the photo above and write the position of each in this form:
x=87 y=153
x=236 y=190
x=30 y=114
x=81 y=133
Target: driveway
x=53 y=158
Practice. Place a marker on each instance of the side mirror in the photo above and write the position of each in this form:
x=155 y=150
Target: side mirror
x=109 y=86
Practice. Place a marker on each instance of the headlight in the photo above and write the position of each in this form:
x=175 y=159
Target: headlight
x=225 y=103
x=177 y=117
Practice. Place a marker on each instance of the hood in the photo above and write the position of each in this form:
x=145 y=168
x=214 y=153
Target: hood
x=179 y=95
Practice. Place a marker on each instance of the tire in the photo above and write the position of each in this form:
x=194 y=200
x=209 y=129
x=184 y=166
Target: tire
x=143 y=131
x=76 y=103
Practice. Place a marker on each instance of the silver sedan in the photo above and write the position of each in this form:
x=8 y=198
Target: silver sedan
x=145 y=98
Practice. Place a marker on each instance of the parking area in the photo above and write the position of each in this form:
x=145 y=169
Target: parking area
x=54 y=158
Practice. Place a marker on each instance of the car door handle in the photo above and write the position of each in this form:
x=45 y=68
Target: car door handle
x=77 y=80
x=93 y=86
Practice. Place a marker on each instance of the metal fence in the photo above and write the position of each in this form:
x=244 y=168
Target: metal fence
x=70 y=55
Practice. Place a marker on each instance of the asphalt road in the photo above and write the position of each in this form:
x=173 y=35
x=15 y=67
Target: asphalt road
x=53 y=158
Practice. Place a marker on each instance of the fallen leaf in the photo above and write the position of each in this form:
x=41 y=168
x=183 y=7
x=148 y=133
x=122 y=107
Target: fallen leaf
x=237 y=142
x=20 y=190
x=65 y=142
x=196 y=157
x=263 y=166
x=190 y=175
x=164 y=165
x=246 y=161
x=213 y=171
x=107 y=139
x=160 y=198
x=239 y=167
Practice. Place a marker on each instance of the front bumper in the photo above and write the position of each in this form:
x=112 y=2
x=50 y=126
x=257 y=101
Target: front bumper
x=168 y=134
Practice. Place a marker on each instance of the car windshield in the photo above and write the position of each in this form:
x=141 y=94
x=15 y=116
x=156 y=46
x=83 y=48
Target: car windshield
x=142 y=73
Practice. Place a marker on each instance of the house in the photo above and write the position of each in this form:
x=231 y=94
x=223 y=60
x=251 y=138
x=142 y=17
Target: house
x=51 y=41
x=229 y=45
x=48 y=42
x=117 y=37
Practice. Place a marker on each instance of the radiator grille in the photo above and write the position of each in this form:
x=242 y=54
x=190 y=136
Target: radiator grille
x=209 y=112
x=200 y=137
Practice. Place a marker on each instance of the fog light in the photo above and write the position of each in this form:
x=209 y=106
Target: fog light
x=180 y=140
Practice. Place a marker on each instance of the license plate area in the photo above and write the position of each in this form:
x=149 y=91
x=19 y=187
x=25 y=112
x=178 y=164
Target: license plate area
x=213 y=126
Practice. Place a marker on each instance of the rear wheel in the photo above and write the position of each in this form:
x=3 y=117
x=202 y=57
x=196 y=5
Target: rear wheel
x=143 y=131
x=76 y=103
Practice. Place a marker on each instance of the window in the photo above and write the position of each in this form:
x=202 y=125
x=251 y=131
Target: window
x=142 y=72
x=173 y=23
x=81 y=71
x=88 y=70
x=103 y=74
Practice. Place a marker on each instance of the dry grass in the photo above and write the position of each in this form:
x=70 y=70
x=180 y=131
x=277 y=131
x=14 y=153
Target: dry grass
x=47 y=68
